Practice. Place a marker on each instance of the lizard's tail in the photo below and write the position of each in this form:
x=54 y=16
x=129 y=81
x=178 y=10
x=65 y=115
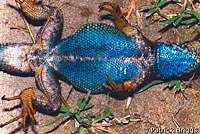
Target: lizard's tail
x=13 y=58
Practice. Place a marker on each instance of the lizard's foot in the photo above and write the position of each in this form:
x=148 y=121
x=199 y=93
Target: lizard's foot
x=27 y=110
x=120 y=21
x=123 y=86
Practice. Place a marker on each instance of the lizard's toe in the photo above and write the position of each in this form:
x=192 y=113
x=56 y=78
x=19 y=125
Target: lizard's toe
x=27 y=109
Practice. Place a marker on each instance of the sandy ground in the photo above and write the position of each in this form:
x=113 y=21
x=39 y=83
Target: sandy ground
x=156 y=107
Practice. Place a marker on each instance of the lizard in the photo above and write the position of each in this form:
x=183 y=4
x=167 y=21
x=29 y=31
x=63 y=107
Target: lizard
x=97 y=58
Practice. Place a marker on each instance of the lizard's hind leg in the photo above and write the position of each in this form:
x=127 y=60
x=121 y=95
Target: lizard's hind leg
x=33 y=11
x=120 y=87
x=48 y=95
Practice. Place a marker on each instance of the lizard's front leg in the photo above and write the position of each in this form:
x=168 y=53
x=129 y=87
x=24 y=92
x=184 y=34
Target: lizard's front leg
x=119 y=20
x=34 y=11
x=122 y=24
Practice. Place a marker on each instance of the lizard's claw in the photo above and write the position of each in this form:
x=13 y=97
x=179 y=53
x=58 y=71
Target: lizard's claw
x=27 y=110
x=114 y=10
x=123 y=86
x=130 y=9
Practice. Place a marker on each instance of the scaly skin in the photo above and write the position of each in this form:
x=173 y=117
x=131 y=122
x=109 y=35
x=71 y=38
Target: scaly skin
x=34 y=11
x=96 y=58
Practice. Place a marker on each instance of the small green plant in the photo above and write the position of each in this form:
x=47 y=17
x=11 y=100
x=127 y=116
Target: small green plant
x=81 y=106
x=100 y=123
x=184 y=17
x=176 y=84
x=156 y=8
x=152 y=9
x=171 y=84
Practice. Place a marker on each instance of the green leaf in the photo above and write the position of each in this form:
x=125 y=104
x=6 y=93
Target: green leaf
x=156 y=2
x=87 y=96
x=80 y=104
x=150 y=12
x=189 y=21
x=134 y=120
x=78 y=118
x=196 y=14
x=162 y=3
x=60 y=117
x=67 y=110
x=177 y=21
x=171 y=83
x=102 y=117
x=100 y=132
x=107 y=108
x=149 y=85
x=147 y=7
x=178 y=85
x=162 y=15
x=89 y=119
x=88 y=112
x=169 y=21
x=88 y=106
x=75 y=110
x=148 y=28
x=175 y=83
